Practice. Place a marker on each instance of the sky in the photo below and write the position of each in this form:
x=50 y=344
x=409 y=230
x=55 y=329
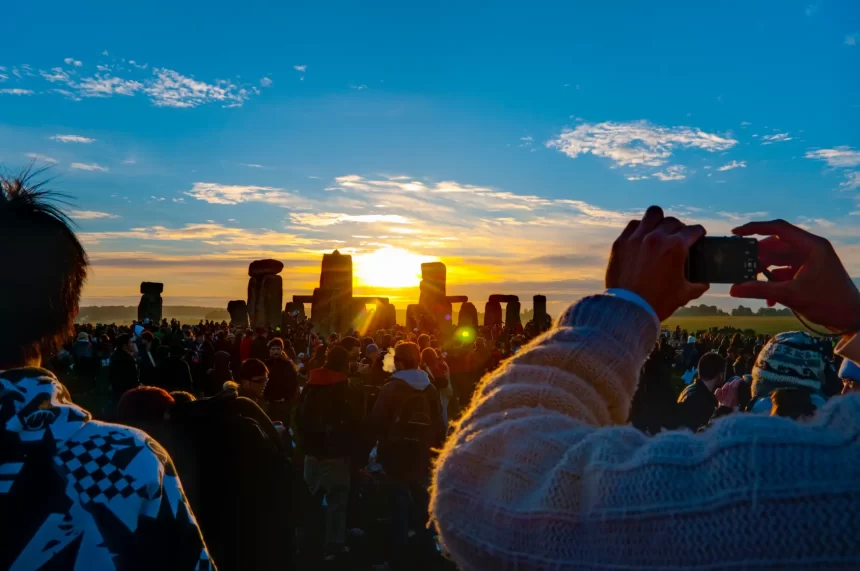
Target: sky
x=511 y=141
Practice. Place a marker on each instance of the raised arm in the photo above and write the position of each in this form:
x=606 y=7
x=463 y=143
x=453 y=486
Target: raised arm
x=540 y=475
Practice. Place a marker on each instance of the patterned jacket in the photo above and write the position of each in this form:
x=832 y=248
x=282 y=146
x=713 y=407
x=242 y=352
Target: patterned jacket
x=80 y=494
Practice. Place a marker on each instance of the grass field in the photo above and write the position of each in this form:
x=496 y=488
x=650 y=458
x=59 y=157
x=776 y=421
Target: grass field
x=769 y=325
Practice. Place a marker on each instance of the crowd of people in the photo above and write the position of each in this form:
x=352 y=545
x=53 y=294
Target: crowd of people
x=604 y=443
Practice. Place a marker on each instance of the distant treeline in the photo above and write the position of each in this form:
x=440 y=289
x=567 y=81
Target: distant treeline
x=126 y=314
x=740 y=311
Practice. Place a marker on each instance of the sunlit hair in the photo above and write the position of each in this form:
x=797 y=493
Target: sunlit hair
x=429 y=357
x=43 y=268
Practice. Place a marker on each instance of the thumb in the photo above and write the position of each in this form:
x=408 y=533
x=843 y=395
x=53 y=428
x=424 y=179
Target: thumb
x=695 y=291
x=778 y=292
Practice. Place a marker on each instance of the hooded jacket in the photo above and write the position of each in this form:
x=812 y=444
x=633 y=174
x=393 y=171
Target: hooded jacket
x=329 y=415
x=76 y=493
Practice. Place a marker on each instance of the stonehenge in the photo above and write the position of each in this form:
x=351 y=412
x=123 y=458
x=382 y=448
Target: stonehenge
x=238 y=310
x=150 y=302
x=265 y=293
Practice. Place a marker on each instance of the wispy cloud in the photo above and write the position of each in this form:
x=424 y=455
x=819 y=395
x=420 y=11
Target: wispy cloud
x=251 y=165
x=89 y=167
x=330 y=219
x=209 y=233
x=674 y=172
x=90 y=215
x=41 y=158
x=851 y=39
x=71 y=139
x=129 y=161
x=777 y=138
x=266 y=82
x=636 y=143
x=742 y=216
x=733 y=165
x=300 y=68
x=357 y=87
x=526 y=142
x=215 y=193
x=638 y=177
x=812 y=9
x=837 y=156
x=72 y=61
x=852 y=181
x=164 y=87
x=745 y=123
x=16 y=91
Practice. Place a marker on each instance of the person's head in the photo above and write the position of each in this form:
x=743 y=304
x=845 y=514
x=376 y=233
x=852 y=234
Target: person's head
x=199 y=337
x=429 y=357
x=125 y=342
x=849 y=373
x=712 y=370
x=253 y=376
x=182 y=397
x=789 y=360
x=352 y=346
x=146 y=338
x=740 y=367
x=83 y=337
x=406 y=356
x=794 y=402
x=423 y=341
x=43 y=267
x=143 y=405
x=386 y=341
x=371 y=351
x=337 y=359
x=276 y=347
x=319 y=353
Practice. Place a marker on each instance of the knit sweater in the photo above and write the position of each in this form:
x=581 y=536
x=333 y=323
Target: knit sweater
x=541 y=474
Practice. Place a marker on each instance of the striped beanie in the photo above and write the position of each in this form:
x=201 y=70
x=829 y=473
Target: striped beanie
x=791 y=359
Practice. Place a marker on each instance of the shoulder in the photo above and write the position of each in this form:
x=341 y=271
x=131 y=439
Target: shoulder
x=128 y=458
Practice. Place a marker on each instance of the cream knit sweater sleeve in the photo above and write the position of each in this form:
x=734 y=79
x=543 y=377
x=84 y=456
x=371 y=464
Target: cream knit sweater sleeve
x=541 y=474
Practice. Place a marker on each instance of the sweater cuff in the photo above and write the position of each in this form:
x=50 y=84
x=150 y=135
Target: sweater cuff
x=627 y=322
x=634 y=298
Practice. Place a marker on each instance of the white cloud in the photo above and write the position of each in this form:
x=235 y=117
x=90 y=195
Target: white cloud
x=105 y=86
x=172 y=89
x=357 y=87
x=851 y=39
x=300 y=68
x=637 y=177
x=66 y=93
x=742 y=216
x=89 y=167
x=215 y=193
x=331 y=218
x=41 y=158
x=251 y=165
x=265 y=82
x=90 y=215
x=733 y=165
x=526 y=141
x=73 y=61
x=674 y=172
x=777 y=138
x=105 y=53
x=836 y=157
x=745 y=123
x=129 y=161
x=71 y=139
x=16 y=91
x=636 y=143
x=852 y=181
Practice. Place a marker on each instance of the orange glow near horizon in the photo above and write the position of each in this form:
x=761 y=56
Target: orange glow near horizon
x=389 y=268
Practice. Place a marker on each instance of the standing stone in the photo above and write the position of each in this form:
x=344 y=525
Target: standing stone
x=468 y=315
x=387 y=316
x=512 y=315
x=541 y=319
x=492 y=314
x=150 y=305
x=413 y=315
x=265 y=293
x=238 y=310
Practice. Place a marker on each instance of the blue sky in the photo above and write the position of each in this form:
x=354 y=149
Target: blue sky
x=510 y=141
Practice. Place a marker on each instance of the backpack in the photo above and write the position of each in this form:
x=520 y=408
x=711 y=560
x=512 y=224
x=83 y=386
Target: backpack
x=325 y=422
x=410 y=436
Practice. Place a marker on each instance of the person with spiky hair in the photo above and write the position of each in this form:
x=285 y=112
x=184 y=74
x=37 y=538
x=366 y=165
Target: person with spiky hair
x=75 y=493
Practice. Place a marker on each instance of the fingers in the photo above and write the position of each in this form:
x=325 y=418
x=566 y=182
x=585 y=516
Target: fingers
x=670 y=225
x=695 y=291
x=783 y=274
x=788 y=232
x=779 y=292
x=774 y=251
x=628 y=230
x=690 y=234
x=653 y=217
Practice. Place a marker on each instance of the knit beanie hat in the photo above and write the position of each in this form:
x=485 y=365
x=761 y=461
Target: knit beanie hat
x=790 y=359
x=849 y=370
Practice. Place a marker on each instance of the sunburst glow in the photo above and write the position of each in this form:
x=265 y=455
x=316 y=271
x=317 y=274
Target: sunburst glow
x=390 y=268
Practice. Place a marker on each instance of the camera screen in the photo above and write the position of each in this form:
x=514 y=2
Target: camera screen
x=723 y=260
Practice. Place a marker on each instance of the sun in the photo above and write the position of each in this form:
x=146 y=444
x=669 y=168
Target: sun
x=390 y=268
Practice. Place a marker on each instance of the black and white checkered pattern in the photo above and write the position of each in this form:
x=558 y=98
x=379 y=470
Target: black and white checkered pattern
x=95 y=477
